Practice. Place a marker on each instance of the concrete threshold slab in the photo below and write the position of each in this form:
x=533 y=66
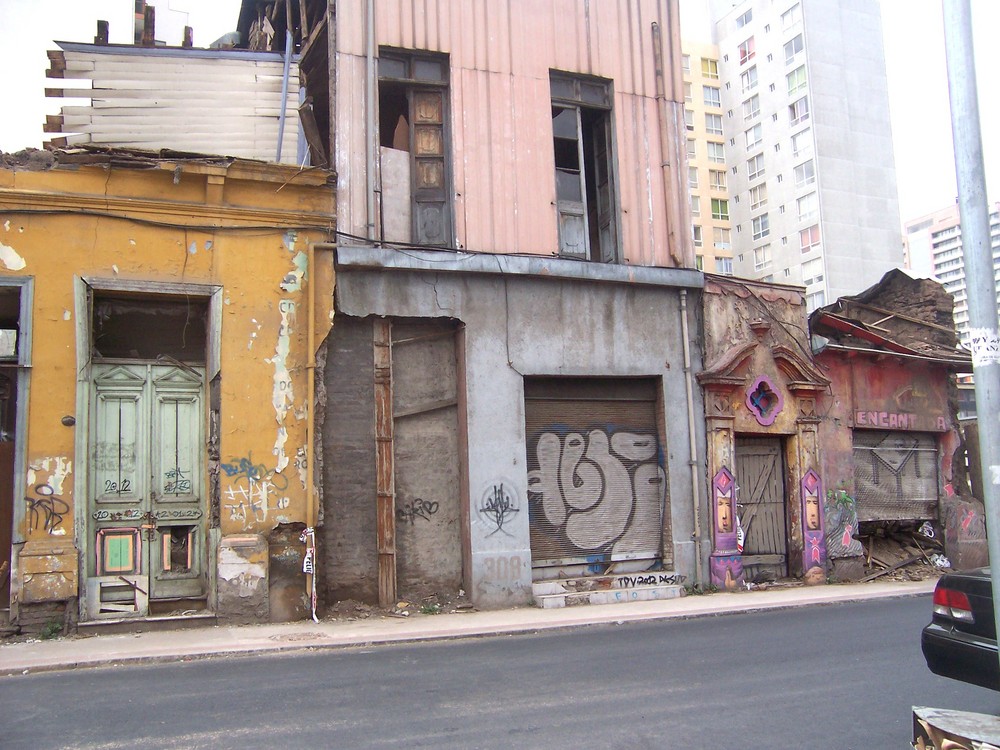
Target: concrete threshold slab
x=221 y=640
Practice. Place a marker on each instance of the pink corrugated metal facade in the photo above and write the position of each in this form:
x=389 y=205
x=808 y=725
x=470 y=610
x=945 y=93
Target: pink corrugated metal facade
x=500 y=121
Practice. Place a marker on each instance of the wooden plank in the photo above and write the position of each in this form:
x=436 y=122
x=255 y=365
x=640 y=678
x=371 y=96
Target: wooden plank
x=897 y=566
x=385 y=502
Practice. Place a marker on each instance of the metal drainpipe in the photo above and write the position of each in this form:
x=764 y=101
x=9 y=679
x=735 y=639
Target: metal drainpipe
x=289 y=46
x=692 y=437
x=370 y=134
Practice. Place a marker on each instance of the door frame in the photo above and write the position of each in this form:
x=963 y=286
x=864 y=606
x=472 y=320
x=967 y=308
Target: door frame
x=84 y=289
x=26 y=287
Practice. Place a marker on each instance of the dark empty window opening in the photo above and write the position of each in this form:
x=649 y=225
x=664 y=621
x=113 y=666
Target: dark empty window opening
x=585 y=192
x=138 y=327
x=178 y=546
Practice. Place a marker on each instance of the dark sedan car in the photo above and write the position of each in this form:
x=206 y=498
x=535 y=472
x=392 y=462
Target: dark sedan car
x=961 y=640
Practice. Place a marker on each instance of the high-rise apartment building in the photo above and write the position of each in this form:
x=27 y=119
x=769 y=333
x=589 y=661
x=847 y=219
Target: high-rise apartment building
x=807 y=141
x=933 y=246
x=708 y=174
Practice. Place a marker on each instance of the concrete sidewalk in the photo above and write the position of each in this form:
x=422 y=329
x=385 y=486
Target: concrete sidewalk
x=196 y=643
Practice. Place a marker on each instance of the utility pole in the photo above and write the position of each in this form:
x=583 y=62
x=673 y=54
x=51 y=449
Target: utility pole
x=979 y=278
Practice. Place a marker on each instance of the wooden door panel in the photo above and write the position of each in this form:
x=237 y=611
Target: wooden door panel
x=761 y=505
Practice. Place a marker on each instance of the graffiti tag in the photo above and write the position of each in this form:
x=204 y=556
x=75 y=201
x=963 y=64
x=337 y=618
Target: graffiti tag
x=177 y=482
x=499 y=505
x=419 y=508
x=47 y=510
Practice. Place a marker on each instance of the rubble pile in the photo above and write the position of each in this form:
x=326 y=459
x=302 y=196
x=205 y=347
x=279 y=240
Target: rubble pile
x=901 y=550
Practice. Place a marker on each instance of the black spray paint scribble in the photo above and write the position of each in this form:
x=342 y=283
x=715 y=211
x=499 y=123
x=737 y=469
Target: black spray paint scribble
x=419 y=508
x=47 y=510
x=499 y=505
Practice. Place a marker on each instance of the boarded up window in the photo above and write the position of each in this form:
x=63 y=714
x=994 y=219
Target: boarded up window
x=895 y=475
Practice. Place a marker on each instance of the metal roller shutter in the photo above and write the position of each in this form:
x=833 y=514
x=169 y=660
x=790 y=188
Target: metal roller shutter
x=596 y=482
x=895 y=475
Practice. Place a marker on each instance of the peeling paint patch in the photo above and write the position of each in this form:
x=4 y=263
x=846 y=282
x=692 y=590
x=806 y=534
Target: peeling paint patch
x=253 y=334
x=301 y=462
x=115 y=269
x=6 y=226
x=132 y=243
x=279 y=450
x=10 y=258
x=209 y=244
x=51 y=470
x=282 y=396
x=193 y=248
x=293 y=279
x=67 y=315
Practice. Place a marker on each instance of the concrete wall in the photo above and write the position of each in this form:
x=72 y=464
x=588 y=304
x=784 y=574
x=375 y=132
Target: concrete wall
x=540 y=317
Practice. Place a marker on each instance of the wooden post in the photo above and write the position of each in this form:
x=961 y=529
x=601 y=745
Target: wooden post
x=385 y=488
x=102 y=33
x=188 y=37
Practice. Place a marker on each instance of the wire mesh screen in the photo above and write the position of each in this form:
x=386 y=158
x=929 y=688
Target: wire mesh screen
x=895 y=475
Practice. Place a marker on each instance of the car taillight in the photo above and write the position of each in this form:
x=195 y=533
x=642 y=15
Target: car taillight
x=953 y=604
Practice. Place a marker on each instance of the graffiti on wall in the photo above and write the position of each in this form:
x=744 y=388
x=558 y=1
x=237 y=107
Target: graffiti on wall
x=889 y=420
x=842 y=525
x=599 y=491
x=419 y=508
x=764 y=401
x=724 y=497
x=46 y=508
x=814 y=554
x=254 y=491
x=727 y=571
x=499 y=505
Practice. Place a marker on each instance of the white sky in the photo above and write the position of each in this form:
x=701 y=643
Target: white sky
x=914 y=50
x=28 y=29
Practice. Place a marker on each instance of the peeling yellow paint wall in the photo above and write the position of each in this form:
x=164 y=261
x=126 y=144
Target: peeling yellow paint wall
x=244 y=226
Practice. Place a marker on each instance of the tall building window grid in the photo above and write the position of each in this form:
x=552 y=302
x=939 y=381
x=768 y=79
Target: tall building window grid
x=792 y=48
x=713 y=123
x=798 y=111
x=796 y=80
x=761 y=226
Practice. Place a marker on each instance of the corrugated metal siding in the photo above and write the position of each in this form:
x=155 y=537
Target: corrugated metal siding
x=207 y=105
x=501 y=134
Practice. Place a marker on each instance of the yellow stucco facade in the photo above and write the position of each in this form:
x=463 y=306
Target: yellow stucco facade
x=143 y=515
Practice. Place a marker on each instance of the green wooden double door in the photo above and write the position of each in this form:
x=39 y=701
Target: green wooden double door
x=146 y=490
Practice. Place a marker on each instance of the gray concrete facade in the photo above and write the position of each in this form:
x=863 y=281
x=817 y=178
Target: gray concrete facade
x=522 y=317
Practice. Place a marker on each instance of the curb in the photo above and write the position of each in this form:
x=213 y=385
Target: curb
x=31 y=658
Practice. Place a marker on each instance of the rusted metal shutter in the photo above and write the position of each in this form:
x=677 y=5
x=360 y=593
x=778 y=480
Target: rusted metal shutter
x=596 y=482
x=895 y=475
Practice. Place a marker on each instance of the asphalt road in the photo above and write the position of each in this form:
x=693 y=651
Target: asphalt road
x=840 y=677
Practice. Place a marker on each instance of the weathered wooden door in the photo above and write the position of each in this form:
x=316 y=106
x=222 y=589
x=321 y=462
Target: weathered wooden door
x=761 y=507
x=146 y=488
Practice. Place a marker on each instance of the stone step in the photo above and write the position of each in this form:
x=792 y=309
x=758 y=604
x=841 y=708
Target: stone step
x=610 y=581
x=611 y=589
x=607 y=596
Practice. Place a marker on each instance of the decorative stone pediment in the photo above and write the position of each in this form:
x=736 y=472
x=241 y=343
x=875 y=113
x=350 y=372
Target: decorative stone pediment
x=735 y=369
